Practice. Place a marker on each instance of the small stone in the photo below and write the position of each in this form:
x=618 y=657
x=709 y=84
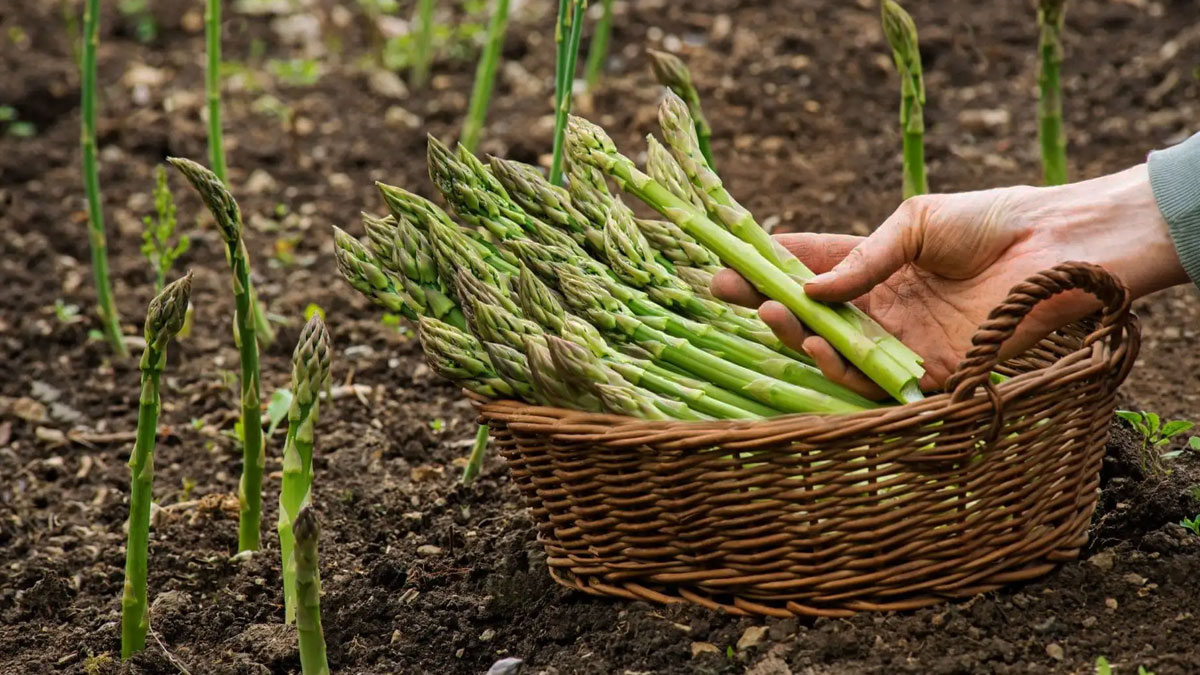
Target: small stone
x=506 y=666
x=400 y=118
x=429 y=550
x=699 y=648
x=1110 y=603
x=487 y=635
x=260 y=182
x=752 y=637
x=1103 y=560
x=980 y=120
x=426 y=472
x=1135 y=579
x=192 y=21
x=24 y=408
x=1088 y=621
x=1054 y=651
x=387 y=84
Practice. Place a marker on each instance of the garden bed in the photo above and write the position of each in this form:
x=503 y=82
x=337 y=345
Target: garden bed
x=420 y=574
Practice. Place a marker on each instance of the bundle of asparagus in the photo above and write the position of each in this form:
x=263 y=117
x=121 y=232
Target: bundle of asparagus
x=561 y=296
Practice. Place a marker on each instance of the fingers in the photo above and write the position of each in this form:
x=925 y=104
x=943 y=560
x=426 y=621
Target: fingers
x=819 y=252
x=793 y=334
x=729 y=286
x=895 y=243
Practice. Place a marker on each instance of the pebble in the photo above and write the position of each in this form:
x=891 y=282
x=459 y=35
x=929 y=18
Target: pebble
x=699 y=648
x=1103 y=560
x=429 y=550
x=1054 y=651
x=387 y=84
x=260 y=182
x=752 y=637
x=985 y=119
x=506 y=666
x=400 y=118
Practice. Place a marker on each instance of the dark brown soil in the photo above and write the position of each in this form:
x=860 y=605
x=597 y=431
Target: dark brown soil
x=803 y=101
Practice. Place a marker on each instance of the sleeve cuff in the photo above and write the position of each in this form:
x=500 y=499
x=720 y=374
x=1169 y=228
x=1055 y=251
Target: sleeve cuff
x=1175 y=180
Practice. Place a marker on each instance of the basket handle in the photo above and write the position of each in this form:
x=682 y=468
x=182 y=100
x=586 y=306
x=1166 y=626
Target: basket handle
x=976 y=367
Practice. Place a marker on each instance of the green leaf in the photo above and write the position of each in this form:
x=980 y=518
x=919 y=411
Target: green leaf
x=1153 y=422
x=1176 y=427
x=277 y=408
x=1194 y=443
x=1132 y=417
x=1102 y=666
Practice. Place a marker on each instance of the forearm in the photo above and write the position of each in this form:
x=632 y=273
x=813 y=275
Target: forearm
x=1174 y=176
x=1116 y=222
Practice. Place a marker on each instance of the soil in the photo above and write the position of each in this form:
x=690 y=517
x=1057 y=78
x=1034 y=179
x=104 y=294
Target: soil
x=422 y=575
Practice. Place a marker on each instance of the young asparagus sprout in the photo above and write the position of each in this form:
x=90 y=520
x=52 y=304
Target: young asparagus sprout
x=157 y=247
x=670 y=72
x=598 y=51
x=306 y=531
x=475 y=460
x=485 y=75
x=110 y=321
x=1051 y=135
x=588 y=143
x=164 y=317
x=567 y=33
x=310 y=375
x=229 y=222
x=901 y=33
x=423 y=51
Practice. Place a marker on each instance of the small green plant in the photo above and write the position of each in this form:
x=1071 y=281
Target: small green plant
x=437 y=425
x=160 y=229
x=1104 y=668
x=145 y=29
x=1192 y=524
x=295 y=72
x=1156 y=434
x=13 y=125
x=66 y=313
x=163 y=319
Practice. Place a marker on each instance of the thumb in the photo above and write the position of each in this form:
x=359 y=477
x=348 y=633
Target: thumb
x=896 y=243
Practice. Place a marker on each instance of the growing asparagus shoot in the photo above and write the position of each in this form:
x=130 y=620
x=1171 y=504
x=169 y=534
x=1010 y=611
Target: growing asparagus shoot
x=567 y=34
x=310 y=375
x=110 y=321
x=164 y=317
x=901 y=33
x=671 y=72
x=229 y=222
x=598 y=51
x=485 y=75
x=1051 y=134
x=311 y=638
x=423 y=45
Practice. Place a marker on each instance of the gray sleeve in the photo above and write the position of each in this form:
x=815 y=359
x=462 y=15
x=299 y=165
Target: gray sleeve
x=1175 y=180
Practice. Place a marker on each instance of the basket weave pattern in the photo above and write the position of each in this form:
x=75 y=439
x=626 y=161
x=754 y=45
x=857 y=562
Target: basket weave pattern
x=888 y=509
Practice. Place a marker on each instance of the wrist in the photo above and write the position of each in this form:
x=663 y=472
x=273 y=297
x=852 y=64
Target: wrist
x=1114 y=221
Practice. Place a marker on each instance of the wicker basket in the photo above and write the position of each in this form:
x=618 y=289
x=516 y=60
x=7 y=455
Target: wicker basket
x=889 y=509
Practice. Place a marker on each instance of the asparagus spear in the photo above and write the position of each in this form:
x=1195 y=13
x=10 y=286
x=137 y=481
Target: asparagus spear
x=423 y=54
x=485 y=74
x=229 y=221
x=677 y=246
x=110 y=321
x=547 y=202
x=310 y=637
x=310 y=375
x=406 y=253
x=164 y=318
x=475 y=460
x=1051 y=136
x=512 y=366
x=365 y=272
x=589 y=300
x=598 y=50
x=567 y=33
x=541 y=305
x=901 y=33
x=588 y=143
x=670 y=72
x=458 y=356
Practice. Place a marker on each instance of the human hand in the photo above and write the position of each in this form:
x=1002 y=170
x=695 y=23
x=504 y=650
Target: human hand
x=932 y=272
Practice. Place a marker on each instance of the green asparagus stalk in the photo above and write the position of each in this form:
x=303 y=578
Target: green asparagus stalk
x=547 y=202
x=485 y=75
x=541 y=305
x=458 y=356
x=901 y=33
x=1051 y=136
x=598 y=51
x=229 y=222
x=567 y=33
x=424 y=214
x=678 y=247
x=110 y=321
x=512 y=367
x=589 y=301
x=553 y=386
x=406 y=252
x=423 y=47
x=365 y=272
x=670 y=72
x=164 y=318
x=726 y=211
x=309 y=635
x=588 y=143
x=310 y=375
x=475 y=461
x=216 y=139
